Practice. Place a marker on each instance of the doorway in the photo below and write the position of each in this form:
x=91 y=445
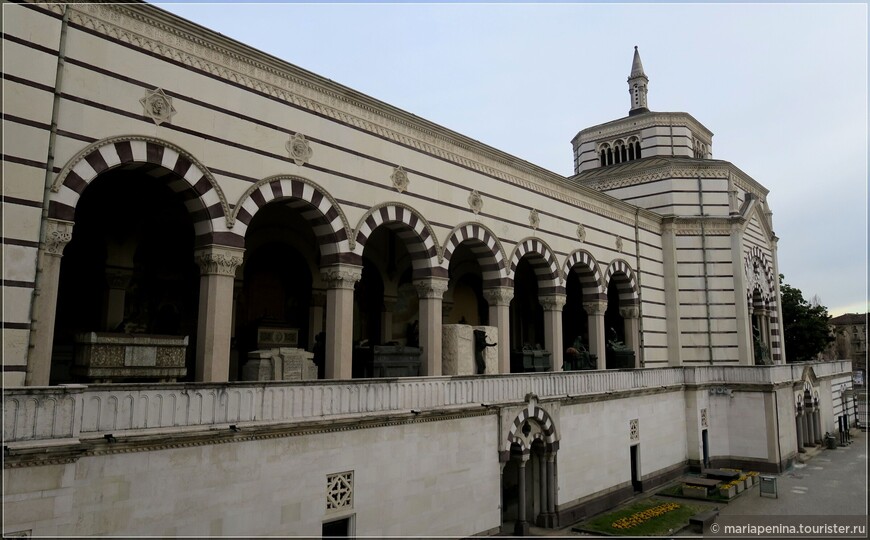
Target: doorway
x=340 y=527
x=705 y=447
x=636 y=484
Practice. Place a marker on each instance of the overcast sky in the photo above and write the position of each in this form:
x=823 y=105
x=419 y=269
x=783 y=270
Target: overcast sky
x=783 y=87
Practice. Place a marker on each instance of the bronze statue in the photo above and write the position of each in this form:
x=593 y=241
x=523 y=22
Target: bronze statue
x=480 y=345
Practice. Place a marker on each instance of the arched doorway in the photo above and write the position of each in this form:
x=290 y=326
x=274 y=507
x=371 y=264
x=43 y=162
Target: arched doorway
x=129 y=269
x=622 y=318
x=529 y=475
x=583 y=290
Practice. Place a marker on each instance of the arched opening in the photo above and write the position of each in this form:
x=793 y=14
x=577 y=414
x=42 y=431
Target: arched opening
x=575 y=327
x=637 y=150
x=275 y=296
x=129 y=272
x=387 y=326
x=464 y=302
x=609 y=156
x=527 y=320
x=603 y=157
x=621 y=321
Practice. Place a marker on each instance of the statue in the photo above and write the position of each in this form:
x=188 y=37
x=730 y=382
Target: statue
x=614 y=343
x=578 y=356
x=480 y=345
x=762 y=351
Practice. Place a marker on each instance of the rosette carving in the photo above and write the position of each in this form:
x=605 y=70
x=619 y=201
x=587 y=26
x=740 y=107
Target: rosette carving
x=400 y=179
x=299 y=149
x=475 y=201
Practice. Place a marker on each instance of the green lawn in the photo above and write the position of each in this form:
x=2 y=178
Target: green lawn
x=656 y=526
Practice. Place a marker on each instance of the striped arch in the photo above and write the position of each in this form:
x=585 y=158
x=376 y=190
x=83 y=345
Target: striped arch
x=535 y=414
x=315 y=205
x=203 y=197
x=543 y=263
x=485 y=246
x=411 y=228
x=625 y=282
x=768 y=294
x=584 y=265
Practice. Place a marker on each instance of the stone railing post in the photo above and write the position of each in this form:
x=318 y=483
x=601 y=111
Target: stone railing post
x=340 y=281
x=56 y=235
x=430 y=292
x=217 y=265
x=499 y=300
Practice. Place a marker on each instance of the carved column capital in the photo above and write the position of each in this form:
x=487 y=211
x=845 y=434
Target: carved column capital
x=341 y=276
x=56 y=235
x=595 y=308
x=118 y=278
x=552 y=302
x=433 y=287
x=498 y=296
x=630 y=312
x=219 y=260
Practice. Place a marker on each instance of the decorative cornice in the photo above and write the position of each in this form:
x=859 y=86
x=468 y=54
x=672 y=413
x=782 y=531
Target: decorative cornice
x=169 y=36
x=56 y=235
x=694 y=226
x=630 y=124
x=219 y=260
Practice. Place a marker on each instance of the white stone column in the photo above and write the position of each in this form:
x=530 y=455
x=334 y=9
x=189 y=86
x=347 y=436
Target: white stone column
x=430 y=291
x=553 y=305
x=387 y=318
x=631 y=316
x=55 y=236
x=597 y=343
x=542 y=487
x=522 y=526
x=217 y=265
x=340 y=280
x=315 y=316
x=499 y=300
x=117 y=280
x=817 y=416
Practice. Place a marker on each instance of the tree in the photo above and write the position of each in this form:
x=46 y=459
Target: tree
x=805 y=324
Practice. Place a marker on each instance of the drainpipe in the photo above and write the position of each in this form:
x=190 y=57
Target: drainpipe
x=704 y=262
x=49 y=174
x=639 y=288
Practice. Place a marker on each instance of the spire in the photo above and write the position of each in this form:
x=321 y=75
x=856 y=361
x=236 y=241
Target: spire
x=637 y=85
x=636 y=65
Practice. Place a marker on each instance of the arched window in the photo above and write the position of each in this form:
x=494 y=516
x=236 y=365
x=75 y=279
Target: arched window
x=624 y=154
x=637 y=150
x=609 y=156
x=603 y=157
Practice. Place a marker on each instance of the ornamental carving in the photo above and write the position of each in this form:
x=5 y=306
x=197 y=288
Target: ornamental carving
x=594 y=308
x=219 y=261
x=475 y=202
x=552 y=302
x=631 y=312
x=619 y=244
x=157 y=106
x=299 y=149
x=756 y=278
x=341 y=277
x=704 y=418
x=534 y=219
x=431 y=288
x=339 y=491
x=581 y=232
x=57 y=235
x=400 y=179
x=634 y=429
x=498 y=296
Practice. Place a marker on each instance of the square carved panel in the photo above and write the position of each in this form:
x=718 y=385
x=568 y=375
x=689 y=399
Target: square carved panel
x=339 y=491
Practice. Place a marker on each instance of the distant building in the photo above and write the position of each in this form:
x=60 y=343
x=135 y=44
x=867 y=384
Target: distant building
x=850 y=331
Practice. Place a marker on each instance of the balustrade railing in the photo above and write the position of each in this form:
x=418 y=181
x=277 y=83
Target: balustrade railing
x=57 y=412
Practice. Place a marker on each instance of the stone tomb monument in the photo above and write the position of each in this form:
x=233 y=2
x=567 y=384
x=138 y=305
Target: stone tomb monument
x=281 y=364
x=459 y=349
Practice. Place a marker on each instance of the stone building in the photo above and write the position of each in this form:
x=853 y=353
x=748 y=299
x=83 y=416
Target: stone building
x=239 y=300
x=850 y=332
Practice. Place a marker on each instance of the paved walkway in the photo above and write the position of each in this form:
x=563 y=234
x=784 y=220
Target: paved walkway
x=831 y=482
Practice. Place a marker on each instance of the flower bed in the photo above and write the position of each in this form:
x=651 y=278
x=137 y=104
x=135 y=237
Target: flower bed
x=728 y=491
x=637 y=518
